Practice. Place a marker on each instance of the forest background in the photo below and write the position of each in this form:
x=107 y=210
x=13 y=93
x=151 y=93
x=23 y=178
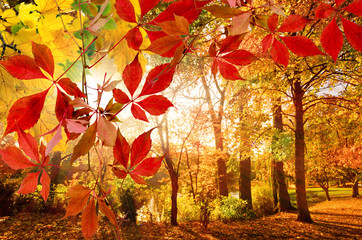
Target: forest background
x=239 y=95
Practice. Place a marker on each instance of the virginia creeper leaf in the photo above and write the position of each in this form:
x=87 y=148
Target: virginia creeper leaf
x=228 y=71
x=25 y=112
x=155 y=35
x=75 y=125
x=231 y=43
x=106 y=131
x=121 y=151
x=148 y=167
x=324 y=10
x=332 y=39
x=107 y=212
x=293 y=23
x=43 y=57
x=137 y=179
x=140 y=148
x=55 y=140
x=134 y=38
x=279 y=53
x=121 y=174
x=223 y=11
x=85 y=143
x=355 y=7
x=70 y=87
x=273 y=22
x=301 y=46
x=28 y=144
x=15 y=159
x=212 y=49
x=339 y=2
x=29 y=183
x=125 y=10
x=45 y=183
x=164 y=44
x=155 y=104
x=266 y=43
x=138 y=113
x=147 y=5
x=353 y=33
x=63 y=108
x=22 y=67
x=240 y=24
x=239 y=57
x=158 y=79
x=175 y=28
x=89 y=222
x=120 y=96
x=132 y=75
x=78 y=199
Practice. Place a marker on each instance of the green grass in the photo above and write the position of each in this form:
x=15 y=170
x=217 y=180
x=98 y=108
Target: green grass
x=316 y=195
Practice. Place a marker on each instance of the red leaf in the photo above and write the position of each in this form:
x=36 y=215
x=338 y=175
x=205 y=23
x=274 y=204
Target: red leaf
x=301 y=46
x=353 y=33
x=134 y=38
x=140 y=148
x=63 y=108
x=43 y=57
x=22 y=67
x=164 y=44
x=214 y=67
x=154 y=35
x=89 y=222
x=355 y=7
x=55 y=140
x=266 y=43
x=228 y=71
x=155 y=105
x=324 y=10
x=147 y=5
x=29 y=183
x=121 y=151
x=273 y=22
x=332 y=39
x=125 y=10
x=339 y=2
x=279 y=53
x=70 y=87
x=190 y=9
x=120 y=96
x=121 y=174
x=15 y=159
x=132 y=75
x=137 y=179
x=231 y=43
x=45 y=182
x=75 y=125
x=138 y=113
x=107 y=212
x=79 y=198
x=158 y=79
x=148 y=167
x=28 y=144
x=293 y=23
x=239 y=57
x=25 y=112
x=106 y=132
x=85 y=143
x=212 y=49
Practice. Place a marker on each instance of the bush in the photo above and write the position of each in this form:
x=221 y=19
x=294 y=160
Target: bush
x=188 y=210
x=263 y=203
x=231 y=208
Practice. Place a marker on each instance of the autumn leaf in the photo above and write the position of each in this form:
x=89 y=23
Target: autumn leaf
x=239 y=57
x=134 y=38
x=15 y=159
x=158 y=79
x=132 y=75
x=140 y=148
x=29 y=183
x=175 y=28
x=293 y=23
x=25 y=112
x=138 y=113
x=78 y=199
x=89 y=221
x=223 y=11
x=332 y=39
x=70 y=88
x=231 y=43
x=106 y=132
x=22 y=67
x=148 y=167
x=228 y=71
x=45 y=182
x=353 y=33
x=164 y=44
x=125 y=10
x=121 y=151
x=107 y=211
x=120 y=96
x=43 y=57
x=28 y=144
x=301 y=46
x=279 y=53
x=85 y=143
x=155 y=105
x=147 y=5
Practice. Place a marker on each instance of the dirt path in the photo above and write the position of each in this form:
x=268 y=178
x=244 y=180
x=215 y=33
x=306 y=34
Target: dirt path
x=338 y=219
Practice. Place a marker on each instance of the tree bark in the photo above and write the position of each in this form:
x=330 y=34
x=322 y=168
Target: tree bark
x=355 y=187
x=283 y=195
x=325 y=189
x=279 y=186
x=303 y=211
x=245 y=182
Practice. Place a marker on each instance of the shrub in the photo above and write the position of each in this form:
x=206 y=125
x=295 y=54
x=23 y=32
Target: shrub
x=231 y=208
x=263 y=203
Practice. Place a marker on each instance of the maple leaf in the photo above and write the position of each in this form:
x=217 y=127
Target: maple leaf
x=78 y=199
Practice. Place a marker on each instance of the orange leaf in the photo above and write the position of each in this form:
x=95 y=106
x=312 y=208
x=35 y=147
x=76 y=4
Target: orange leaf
x=89 y=222
x=106 y=131
x=85 y=143
x=107 y=212
x=175 y=28
x=45 y=182
x=29 y=183
x=43 y=57
x=164 y=44
x=15 y=159
x=79 y=198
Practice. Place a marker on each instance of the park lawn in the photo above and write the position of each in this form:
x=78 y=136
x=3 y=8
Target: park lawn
x=317 y=195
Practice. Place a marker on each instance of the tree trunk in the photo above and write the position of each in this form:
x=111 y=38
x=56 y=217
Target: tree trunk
x=283 y=195
x=245 y=182
x=355 y=187
x=325 y=189
x=174 y=184
x=279 y=186
x=303 y=211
